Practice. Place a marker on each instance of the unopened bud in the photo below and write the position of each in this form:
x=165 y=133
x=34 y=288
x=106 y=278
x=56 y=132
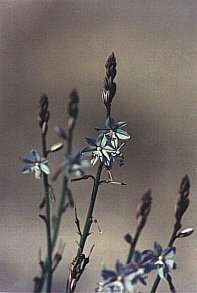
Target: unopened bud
x=56 y=147
x=185 y=233
x=128 y=238
x=61 y=132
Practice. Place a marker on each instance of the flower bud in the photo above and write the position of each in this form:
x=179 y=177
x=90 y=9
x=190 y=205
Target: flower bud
x=56 y=147
x=185 y=233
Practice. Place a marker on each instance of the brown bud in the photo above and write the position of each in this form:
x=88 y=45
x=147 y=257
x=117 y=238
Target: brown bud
x=73 y=104
x=44 y=114
x=183 y=199
x=109 y=84
x=144 y=207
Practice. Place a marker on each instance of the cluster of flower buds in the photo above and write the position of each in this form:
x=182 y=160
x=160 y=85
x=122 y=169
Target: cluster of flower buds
x=109 y=90
x=44 y=114
x=73 y=164
x=73 y=108
x=183 y=200
x=143 y=208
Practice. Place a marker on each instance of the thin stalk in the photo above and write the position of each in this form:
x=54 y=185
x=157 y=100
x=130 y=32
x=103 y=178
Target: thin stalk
x=48 y=262
x=142 y=212
x=134 y=243
x=60 y=211
x=48 y=221
x=70 y=140
x=88 y=221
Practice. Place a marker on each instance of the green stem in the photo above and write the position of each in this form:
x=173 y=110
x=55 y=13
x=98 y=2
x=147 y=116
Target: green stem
x=60 y=211
x=88 y=221
x=70 y=140
x=134 y=242
x=48 y=221
x=48 y=262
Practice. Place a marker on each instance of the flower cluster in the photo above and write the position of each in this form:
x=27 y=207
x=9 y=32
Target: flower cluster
x=73 y=164
x=36 y=164
x=125 y=276
x=121 y=280
x=164 y=260
x=107 y=147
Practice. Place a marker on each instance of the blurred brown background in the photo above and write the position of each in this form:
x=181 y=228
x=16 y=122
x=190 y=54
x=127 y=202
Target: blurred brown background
x=53 y=46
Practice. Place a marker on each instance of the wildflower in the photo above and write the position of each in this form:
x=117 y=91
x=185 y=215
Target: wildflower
x=122 y=280
x=113 y=130
x=143 y=260
x=72 y=165
x=101 y=149
x=164 y=260
x=34 y=163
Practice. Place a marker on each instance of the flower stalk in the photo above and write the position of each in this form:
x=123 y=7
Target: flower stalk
x=47 y=270
x=73 y=113
x=102 y=153
x=180 y=208
x=44 y=117
x=143 y=211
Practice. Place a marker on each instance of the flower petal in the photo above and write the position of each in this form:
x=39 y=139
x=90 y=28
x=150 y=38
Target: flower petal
x=121 y=134
x=170 y=263
x=94 y=160
x=45 y=169
x=157 y=248
x=103 y=141
x=38 y=173
x=26 y=170
x=107 y=274
x=121 y=124
x=105 y=153
x=169 y=252
x=161 y=273
x=128 y=286
x=88 y=149
x=27 y=160
x=35 y=155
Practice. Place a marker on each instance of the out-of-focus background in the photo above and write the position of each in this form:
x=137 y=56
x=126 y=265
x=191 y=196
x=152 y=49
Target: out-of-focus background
x=54 y=46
